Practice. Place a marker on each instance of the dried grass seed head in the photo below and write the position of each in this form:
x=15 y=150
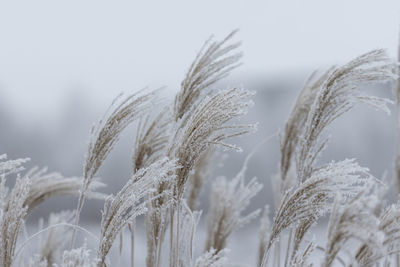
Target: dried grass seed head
x=47 y=185
x=338 y=94
x=310 y=199
x=106 y=132
x=207 y=125
x=130 y=202
x=214 y=62
x=228 y=201
x=357 y=220
x=151 y=139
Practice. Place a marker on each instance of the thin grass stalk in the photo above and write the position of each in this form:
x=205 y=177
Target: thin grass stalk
x=81 y=202
x=278 y=254
x=397 y=158
x=131 y=227
x=288 y=247
x=44 y=230
x=175 y=233
x=397 y=94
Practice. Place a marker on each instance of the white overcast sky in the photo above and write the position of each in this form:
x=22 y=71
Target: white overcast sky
x=104 y=47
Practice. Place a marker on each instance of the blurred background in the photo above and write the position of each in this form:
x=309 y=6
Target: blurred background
x=63 y=62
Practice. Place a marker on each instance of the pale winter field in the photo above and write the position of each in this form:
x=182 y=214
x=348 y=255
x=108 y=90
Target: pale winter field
x=295 y=196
